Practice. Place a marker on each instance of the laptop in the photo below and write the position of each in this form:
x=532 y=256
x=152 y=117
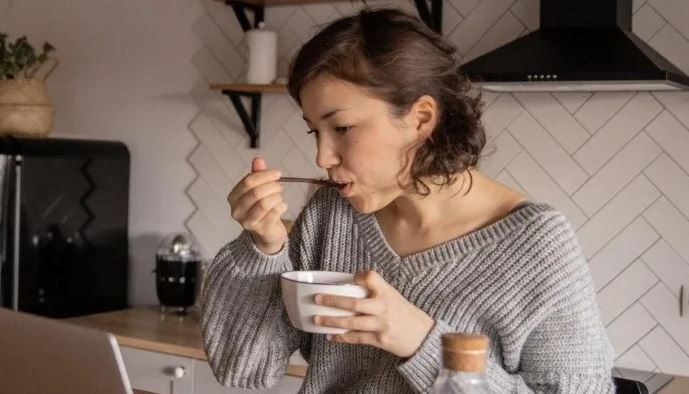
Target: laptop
x=39 y=355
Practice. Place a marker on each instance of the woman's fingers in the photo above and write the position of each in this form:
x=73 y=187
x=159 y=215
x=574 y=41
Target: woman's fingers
x=366 y=306
x=356 y=337
x=250 y=198
x=372 y=281
x=355 y=323
x=275 y=213
x=251 y=181
x=260 y=209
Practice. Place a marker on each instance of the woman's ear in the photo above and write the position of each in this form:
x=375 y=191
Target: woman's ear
x=425 y=116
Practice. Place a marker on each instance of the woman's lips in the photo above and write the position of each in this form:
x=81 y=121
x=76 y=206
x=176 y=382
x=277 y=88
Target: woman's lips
x=346 y=189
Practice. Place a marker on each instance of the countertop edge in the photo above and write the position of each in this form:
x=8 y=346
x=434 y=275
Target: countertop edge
x=104 y=322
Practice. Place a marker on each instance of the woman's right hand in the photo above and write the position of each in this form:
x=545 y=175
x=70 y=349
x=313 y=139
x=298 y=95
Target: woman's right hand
x=256 y=204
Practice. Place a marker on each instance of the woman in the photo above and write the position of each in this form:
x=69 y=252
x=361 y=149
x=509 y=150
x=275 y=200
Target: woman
x=441 y=247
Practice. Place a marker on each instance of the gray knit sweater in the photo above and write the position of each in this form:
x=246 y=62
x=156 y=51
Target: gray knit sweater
x=522 y=280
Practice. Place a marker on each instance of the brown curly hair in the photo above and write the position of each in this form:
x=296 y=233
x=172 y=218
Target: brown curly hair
x=398 y=59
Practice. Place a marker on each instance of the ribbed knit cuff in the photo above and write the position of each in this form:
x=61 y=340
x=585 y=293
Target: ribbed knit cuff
x=421 y=370
x=252 y=261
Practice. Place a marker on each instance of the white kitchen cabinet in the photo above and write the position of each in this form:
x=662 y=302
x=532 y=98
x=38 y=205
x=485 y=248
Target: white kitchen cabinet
x=158 y=372
x=168 y=374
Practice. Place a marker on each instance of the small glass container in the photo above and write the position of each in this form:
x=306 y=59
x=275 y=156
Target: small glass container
x=464 y=363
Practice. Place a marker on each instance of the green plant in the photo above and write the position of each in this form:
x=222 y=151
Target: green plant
x=20 y=59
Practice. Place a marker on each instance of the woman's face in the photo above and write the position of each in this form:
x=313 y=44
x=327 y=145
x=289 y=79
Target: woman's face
x=359 y=141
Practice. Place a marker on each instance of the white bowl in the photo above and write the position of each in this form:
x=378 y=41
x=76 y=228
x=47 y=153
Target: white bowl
x=299 y=289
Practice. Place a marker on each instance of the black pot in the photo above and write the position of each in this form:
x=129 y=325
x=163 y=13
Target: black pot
x=176 y=282
x=178 y=267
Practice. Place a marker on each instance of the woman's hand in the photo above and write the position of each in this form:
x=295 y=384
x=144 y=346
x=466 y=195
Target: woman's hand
x=385 y=319
x=256 y=204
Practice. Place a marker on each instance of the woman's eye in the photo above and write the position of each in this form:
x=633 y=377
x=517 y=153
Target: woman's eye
x=343 y=129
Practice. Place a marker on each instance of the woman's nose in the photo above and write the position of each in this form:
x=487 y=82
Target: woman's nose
x=326 y=157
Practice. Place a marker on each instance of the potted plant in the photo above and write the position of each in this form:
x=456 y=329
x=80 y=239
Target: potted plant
x=24 y=105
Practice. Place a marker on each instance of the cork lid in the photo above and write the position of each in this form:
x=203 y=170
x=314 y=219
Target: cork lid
x=465 y=352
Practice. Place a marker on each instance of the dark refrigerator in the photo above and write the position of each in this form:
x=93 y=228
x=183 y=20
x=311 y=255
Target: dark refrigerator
x=63 y=231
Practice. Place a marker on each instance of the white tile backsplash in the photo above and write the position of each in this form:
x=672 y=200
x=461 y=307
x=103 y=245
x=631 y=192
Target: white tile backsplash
x=638 y=362
x=528 y=12
x=621 y=251
x=617 y=214
x=663 y=305
x=202 y=161
x=670 y=224
x=499 y=114
x=672 y=137
x=675 y=14
x=547 y=152
x=673 y=46
x=615 y=174
x=628 y=328
x=623 y=292
x=555 y=119
x=506 y=29
x=665 y=352
x=595 y=112
x=677 y=103
x=667 y=176
x=477 y=23
x=646 y=22
x=667 y=266
x=623 y=126
x=572 y=101
x=541 y=187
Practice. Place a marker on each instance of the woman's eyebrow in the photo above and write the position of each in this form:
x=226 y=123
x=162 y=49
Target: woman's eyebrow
x=327 y=114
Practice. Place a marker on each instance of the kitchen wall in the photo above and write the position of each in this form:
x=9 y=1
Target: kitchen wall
x=615 y=163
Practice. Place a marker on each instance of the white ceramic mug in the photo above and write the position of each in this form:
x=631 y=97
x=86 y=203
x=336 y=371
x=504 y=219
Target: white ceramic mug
x=299 y=289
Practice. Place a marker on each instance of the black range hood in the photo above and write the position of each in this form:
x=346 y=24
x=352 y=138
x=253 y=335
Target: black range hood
x=581 y=45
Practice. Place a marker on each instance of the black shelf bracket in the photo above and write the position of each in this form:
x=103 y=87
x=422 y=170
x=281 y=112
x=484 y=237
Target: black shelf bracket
x=252 y=123
x=240 y=8
x=433 y=16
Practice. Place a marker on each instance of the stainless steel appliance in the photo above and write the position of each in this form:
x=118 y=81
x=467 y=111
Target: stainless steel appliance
x=63 y=235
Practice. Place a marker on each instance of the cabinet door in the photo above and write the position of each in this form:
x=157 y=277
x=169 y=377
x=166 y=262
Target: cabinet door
x=158 y=372
x=205 y=383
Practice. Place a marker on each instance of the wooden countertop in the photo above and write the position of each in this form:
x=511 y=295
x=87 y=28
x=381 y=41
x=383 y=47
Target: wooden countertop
x=146 y=328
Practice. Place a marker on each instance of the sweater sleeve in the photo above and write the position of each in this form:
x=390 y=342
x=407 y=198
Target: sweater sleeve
x=246 y=333
x=423 y=367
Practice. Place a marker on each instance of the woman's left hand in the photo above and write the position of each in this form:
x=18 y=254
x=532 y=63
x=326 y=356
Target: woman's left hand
x=385 y=319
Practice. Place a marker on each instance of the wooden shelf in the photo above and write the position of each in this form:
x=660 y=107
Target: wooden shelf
x=249 y=88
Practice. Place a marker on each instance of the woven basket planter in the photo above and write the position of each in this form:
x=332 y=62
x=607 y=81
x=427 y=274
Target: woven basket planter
x=25 y=108
x=26 y=120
